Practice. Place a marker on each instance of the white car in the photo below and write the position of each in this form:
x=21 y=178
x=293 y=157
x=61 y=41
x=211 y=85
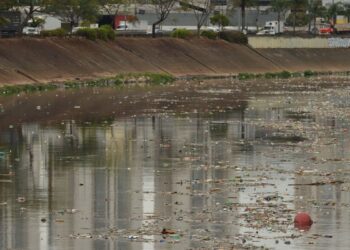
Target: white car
x=31 y=31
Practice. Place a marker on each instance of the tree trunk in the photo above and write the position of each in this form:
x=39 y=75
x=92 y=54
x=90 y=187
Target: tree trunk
x=154 y=27
x=309 y=25
x=294 y=18
x=257 y=17
x=243 y=14
x=198 y=30
x=315 y=23
x=278 y=21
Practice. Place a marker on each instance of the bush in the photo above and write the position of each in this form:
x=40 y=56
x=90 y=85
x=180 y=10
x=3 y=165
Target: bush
x=270 y=75
x=108 y=31
x=210 y=34
x=284 y=74
x=102 y=34
x=308 y=73
x=56 y=32
x=182 y=33
x=105 y=33
x=88 y=33
x=246 y=76
x=233 y=37
x=220 y=20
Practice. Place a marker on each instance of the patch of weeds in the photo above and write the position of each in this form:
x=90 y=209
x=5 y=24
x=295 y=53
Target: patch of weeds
x=246 y=76
x=297 y=74
x=27 y=88
x=120 y=79
x=269 y=75
x=159 y=78
x=54 y=33
x=284 y=74
x=309 y=73
x=210 y=34
x=182 y=33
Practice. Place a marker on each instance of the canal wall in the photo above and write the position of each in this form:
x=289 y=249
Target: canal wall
x=31 y=60
x=276 y=42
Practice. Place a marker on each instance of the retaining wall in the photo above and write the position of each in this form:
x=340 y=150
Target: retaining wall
x=46 y=60
x=263 y=42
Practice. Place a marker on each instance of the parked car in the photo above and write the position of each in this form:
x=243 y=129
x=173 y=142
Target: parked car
x=31 y=31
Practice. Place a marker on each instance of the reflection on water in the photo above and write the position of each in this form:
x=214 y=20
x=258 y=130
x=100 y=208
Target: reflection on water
x=228 y=179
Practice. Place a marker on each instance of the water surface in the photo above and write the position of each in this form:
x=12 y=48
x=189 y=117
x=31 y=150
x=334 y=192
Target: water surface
x=223 y=165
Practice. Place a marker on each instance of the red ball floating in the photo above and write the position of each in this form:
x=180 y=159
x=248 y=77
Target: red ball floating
x=303 y=221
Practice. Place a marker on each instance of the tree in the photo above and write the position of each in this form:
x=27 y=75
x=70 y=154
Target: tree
x=346 y=11
x=281 y=7
x=111 y=7
x=201 y=12
x=7 y=4
x=220 y=20
x=74 y=11
x=29 y=8
x=314 y=9
x=3 y=21
x=242 y=5
x=257 y=9
x=333 y=10
x=297 y=6
x=162 y=8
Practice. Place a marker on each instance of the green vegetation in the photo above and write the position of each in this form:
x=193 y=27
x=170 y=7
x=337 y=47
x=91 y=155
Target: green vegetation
x=234 y=37
x=247 y=76
x=107 y=31
x=51 y=33
x=82 y=12
x=88 y=33
x=121 y=79
x=182 y=33
x=300 y=19
x=280 y=75
x=104 y=33
x=210 y=34
x=309 y=73
x=28 y=88
x=152 y=79
x=3 y=21
x=220 y=20
x=148 y=78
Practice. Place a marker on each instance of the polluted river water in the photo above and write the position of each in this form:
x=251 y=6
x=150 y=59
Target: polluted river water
x=220 y=164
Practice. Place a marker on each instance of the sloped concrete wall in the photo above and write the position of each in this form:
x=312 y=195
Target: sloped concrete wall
x=49 y=60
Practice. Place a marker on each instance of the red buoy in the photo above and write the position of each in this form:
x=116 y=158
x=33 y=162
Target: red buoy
x=303 y=221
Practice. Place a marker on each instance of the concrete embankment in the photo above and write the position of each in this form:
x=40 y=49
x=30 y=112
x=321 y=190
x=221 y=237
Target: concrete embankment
x=45 y=60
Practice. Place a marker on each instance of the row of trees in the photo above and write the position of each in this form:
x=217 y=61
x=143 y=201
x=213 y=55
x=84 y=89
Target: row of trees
x=305 y=12
x=74 y=11
x=302 y=12
x=70 y=11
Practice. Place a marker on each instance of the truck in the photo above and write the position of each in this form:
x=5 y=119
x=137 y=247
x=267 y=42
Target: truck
x=327 y=27
x=129 y=23
x=341 y=28
x=272 y=28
